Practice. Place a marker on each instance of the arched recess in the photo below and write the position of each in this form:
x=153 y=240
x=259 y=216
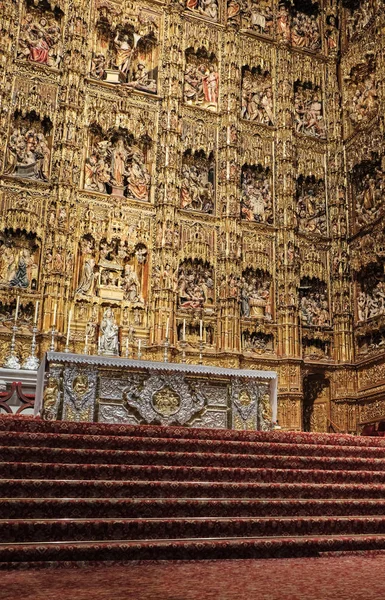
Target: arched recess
x=316 y=403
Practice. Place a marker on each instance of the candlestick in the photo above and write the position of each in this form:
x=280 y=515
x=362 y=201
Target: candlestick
x=52 y=346
x=139 y=347
x=12 y=361
x=54 y=315
x=36 y=312
x=127 y=349
x=165 y=355
x=201 y=330
x=183 y=345
x=32 y=362
x=66 y=349
x=201 y=346
x=184 y=330
x=167 y=327
x=17 y=308
x=85 y=351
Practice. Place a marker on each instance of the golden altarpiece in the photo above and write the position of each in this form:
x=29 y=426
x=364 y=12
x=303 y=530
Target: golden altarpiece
x=214 y=169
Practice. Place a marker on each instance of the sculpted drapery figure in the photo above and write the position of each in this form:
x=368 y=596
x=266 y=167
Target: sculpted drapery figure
x=256 y=199
x=257 y=96
x=195 y=285
x=205 y=8
x=40 y=37
x=311 y=206
x=86 y=282
x=314 y=305
x=18 y=263
x=116 y=165
x=308 y=108
x=367 y=184
x=198 y=180
x=201 y=79
x=109 y=334
x=362 y=101
x=29 y=151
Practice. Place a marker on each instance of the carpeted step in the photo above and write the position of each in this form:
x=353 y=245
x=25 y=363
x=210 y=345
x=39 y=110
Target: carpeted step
x=30 y=424
x=121 y=443
x=184 y=473
x=140 y=457
x=57 y=530
x=36 y=488
x=72 y=508
x=197 y=549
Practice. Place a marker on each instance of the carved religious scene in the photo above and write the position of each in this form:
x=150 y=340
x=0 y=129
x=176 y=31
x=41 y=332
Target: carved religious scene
x=201 y=79
x=115 y=270
x=257 y=342
x=367 y=187
x=198 y=182
x=358 y=15
x=314 y=304
x=254 y=15
x=204 y=8
x=117 y=164
x=308 y=110
x=127 y=53
x=361 y=92
x=311 y=208
x=40 y=38
x=256 y=195
x=370 y=292
x=305 y=26
x=19 y=261
x=256 y=294
x=195 y=284
x=257 y=96
x=315 y=348
x=29 y=147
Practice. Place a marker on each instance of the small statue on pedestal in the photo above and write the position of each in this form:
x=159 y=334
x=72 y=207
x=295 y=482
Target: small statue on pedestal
x=109 y=334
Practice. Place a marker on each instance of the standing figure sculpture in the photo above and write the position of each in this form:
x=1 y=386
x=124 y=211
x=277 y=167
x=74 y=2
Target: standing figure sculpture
x=109 y=334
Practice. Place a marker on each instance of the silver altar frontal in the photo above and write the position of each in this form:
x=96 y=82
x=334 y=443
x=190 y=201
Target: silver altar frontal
x=74 y=387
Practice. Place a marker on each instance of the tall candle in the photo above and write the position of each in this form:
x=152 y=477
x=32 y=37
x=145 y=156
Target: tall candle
x=184 y=330
x=201 y=329
x=17 y=307
x=36 y=312
x=86 y=340
x=69 y=326
x=54 y=315
x=139 y=345
x=167 y=327
x=126 y=343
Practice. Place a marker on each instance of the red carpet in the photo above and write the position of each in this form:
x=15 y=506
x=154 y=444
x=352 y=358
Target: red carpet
x=335 y=578
x=91 y=492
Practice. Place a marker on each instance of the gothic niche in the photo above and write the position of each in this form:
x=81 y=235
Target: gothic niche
x=204 y=8
x=367 y=187
x=114 y=270
x=255 y=15
x=257 y=342
x=25 y=316
x=257 y=96
x=370 y=292
x=19 y=260
x=305 y=25
x=128 y=55
x=308 y=107
x=314 y=305
x=40 y=39
x=29 y=147
x=358 y=15
x=195 y=285
x=315 y=349
x=193 y=334
x=371 y=342
x=201 y=79
x=362 y=99
x=198 y=182
x=117 y=164
x=256 y=199
x=311 y=208
x=256 y=294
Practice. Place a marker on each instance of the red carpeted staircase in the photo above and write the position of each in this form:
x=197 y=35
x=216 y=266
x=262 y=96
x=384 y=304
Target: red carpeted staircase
x=93 y=492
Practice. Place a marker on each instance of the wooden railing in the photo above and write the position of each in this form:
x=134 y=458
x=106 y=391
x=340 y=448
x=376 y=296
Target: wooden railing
x=23 y=401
